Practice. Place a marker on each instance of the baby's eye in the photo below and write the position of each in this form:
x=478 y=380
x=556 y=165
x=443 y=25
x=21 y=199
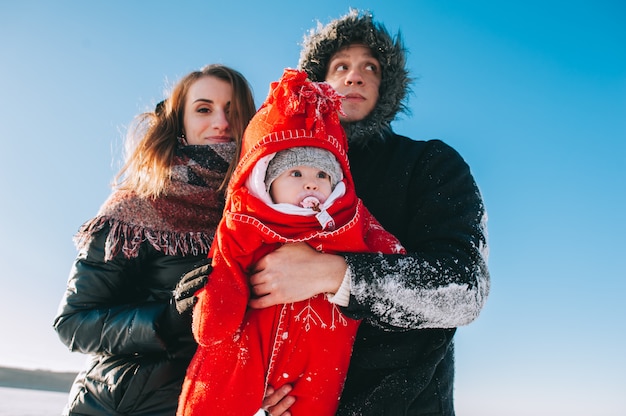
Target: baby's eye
x=296 y=173
x=322 y=175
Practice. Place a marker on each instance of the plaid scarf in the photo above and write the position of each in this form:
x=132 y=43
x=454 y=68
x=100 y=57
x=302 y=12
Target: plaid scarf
x=181 y=222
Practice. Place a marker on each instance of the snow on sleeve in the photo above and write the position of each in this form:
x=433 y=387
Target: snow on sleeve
x=396 y=302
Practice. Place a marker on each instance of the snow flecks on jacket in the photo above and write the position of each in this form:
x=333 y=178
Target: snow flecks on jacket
x=484 y=246
x=402 y=305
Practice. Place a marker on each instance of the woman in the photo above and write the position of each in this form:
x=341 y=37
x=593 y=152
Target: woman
x=156 y=225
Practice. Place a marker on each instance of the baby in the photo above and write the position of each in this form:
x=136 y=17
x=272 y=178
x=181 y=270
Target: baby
x=292 y=185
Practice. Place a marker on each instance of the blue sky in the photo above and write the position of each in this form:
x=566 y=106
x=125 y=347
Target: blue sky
x=531 y=93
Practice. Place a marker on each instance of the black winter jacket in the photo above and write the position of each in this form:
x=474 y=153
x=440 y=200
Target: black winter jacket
x=424 y=194
x=113 y=311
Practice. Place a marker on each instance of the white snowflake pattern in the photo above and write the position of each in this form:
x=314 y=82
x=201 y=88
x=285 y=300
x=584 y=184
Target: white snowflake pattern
x=309 y=316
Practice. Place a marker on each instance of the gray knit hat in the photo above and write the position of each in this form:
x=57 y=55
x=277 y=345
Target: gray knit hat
x=358 y=28
x=303 y=156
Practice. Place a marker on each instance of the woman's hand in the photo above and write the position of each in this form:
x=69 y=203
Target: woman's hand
x=276 y=402
x=295 y=272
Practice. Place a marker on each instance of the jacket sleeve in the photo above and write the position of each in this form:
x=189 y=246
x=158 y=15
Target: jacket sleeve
x=443 y=281
x=100 y=311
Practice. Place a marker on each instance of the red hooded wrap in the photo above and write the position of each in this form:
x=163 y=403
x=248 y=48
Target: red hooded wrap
x=307 y=344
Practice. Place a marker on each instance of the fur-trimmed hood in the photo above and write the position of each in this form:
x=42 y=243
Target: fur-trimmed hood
x=357 y=27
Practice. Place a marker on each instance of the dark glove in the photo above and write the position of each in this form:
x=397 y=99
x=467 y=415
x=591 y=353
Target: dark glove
x=172 y=323
x=189 y=284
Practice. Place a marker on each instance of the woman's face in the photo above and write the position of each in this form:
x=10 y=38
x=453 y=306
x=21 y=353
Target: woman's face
x=206 y=112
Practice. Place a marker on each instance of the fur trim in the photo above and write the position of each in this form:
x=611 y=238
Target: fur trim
x=356 y=27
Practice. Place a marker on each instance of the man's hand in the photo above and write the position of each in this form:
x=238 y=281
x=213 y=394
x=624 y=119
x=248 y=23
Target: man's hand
x=294 y=272
x=276 y=402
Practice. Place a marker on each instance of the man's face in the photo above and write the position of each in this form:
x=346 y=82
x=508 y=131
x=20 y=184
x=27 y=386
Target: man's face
x=356 y=74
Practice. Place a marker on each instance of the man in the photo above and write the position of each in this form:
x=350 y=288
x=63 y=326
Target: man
x=424 y=194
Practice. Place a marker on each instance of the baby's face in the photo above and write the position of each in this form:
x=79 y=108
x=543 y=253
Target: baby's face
x=302 y=186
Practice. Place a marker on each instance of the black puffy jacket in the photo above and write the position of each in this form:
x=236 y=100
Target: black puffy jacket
x=113 y=311
x=422 y=192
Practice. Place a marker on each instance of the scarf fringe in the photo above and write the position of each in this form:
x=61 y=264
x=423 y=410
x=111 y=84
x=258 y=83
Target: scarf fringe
x=127 y=239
